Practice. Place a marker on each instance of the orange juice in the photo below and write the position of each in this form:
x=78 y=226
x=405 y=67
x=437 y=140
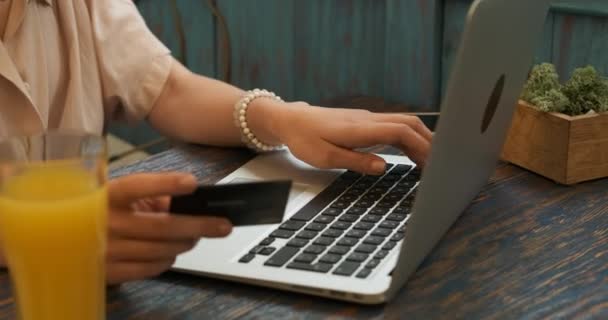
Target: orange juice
x=53 y=231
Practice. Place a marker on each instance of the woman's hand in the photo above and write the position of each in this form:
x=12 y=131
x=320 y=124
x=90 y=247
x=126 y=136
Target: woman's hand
x=143 y=238
x=326 y=137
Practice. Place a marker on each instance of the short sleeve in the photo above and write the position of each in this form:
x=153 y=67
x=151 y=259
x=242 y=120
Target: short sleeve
x=134 y=64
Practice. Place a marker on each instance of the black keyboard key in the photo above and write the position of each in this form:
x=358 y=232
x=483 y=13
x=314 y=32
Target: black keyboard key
x=401 y=210
x=372 y=264
x=305 y=258
x=330 y=258
x=332 y=212
x=314 y=249
x=379 y=211
x=364 y=204
x=397 y=236
x=391 y=178
x=366 y=248
x=341 y=225
x=386 y=204
x=256 y=249
x=333 y=233
x=315 y=226
x=346 y=268
x=356 y=211
x=358 y=234
x=372 y=196
x=267 y=251
x=402 y=229
x=312 y=208
x=350 y=175
x=364 y=273
x=348 y=198
x=381 y=232
x=357 y=257
x=247 y=258
x=341 y=250
x=411 y=177
x=389 y=245
x=307 y=234
x=373 y=240
x=364 y=226
x=389 y=166
x=387 y=224
x=281 y=257
x=402 y=190
x=408 y=183
x=385 y=184
x=349 y=218
x=393 y=197
x=363 y=185
x=324 y=219
x=381 y=254
x=370 y=179
x=267 y=241
x=340 y=205
x=292 y=225
x=371 y=218
x=318 y=267
x=396 y=217
x=356 y=191
x=283 y=234
x=324 y=241
x=297 y=242
x=401 y=169
x=406 y=204
x=348 y=242
x=378 y=190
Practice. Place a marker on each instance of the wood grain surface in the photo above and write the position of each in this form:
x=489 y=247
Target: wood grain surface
x=525 y=249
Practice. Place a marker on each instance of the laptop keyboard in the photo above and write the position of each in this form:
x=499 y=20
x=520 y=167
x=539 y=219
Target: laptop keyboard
x=348 y=228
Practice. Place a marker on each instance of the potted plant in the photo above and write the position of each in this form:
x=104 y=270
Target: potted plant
x=560 y=131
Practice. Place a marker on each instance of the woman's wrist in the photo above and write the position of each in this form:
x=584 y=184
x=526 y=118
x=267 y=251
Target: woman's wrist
x=266 y=118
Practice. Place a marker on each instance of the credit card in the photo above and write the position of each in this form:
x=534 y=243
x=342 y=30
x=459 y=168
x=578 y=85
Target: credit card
x=244 y=204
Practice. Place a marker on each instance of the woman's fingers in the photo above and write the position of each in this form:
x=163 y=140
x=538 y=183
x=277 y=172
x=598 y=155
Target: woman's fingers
x=167 y=227
x=373 y=133
x=413 y=122
x=330 y=156
x=120 y=249
x=124 y=191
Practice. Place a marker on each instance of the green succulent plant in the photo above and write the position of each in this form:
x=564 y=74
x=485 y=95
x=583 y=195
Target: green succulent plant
x=585 y=91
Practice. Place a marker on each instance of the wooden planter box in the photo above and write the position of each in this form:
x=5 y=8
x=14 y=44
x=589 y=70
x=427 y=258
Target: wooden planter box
x=565 y=149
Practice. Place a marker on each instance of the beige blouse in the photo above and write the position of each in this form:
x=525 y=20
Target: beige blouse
x=75 y=64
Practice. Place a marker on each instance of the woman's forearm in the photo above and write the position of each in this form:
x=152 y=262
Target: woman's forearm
x=198 y=109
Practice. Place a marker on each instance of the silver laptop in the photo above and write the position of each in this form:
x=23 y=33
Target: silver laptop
x=359 y=238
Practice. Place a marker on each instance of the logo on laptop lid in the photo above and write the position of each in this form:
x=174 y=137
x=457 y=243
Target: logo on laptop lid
x=493 y=104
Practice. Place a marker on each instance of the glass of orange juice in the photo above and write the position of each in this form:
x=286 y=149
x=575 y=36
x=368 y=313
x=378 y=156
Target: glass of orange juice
x=53 y=213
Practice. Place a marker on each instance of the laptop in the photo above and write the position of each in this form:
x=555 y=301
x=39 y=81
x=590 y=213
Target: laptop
x=358 y=238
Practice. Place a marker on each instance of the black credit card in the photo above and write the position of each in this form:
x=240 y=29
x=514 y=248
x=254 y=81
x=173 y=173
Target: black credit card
x=244 y=204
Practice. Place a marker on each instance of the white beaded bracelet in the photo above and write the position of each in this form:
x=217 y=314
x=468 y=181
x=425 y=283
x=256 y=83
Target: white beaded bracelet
x=240 y=120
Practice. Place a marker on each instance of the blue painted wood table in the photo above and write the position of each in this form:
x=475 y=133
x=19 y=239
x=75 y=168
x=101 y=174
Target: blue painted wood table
x=526 y=248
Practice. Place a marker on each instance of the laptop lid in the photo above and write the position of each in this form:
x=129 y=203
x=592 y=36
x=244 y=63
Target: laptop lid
x=495 y=55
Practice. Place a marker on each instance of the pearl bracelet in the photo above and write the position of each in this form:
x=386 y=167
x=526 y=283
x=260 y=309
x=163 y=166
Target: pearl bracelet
x=240 y=120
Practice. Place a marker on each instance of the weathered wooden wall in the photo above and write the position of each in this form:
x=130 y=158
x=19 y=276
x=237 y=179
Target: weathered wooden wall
x=316 y=50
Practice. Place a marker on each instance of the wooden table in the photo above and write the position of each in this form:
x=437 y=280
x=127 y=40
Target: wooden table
x=527 y=248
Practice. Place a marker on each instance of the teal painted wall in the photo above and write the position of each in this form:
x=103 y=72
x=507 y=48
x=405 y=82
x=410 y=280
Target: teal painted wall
x=576 y=34
x=317 y=50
